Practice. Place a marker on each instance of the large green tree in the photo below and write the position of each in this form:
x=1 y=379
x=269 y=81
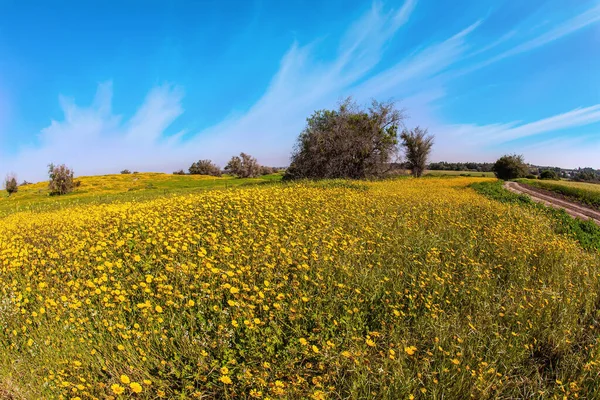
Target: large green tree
x=510 y=167
x=350 y=142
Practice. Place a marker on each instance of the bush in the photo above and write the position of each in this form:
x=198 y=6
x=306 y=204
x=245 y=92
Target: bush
x=180 y=172
x=126 y=171
x=204 y=167
x=61 y=179
x=10 y=184
x=417 y=145
x=549 y=175
x=531 y=176
x=586 y=175
x=510 y=167
x=350 y=142
x=244 y=166
x=267 y=170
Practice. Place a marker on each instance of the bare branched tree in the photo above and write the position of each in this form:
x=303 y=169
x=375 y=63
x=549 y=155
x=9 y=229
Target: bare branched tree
x=61 y=179
x=417 y=146
x=244 y=166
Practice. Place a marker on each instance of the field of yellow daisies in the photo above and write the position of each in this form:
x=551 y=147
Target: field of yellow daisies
x=339 y=290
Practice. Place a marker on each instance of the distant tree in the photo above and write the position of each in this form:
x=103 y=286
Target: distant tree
x=180 y=172
x=205 y=167
x=244 y=166
x=586 y=175
x=417 y=146
x=125 y=172
x=549 y=174
x=264 y=170
x=61 y=179
x=10 y=184
x=510 y=167
x=350 y=142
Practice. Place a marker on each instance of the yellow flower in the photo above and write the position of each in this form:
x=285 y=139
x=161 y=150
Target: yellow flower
x=191 y=303
x=125 y=379
x=137 y=258
x=135 y=387
x=303 y=341
x=158 y=309
x=117 y=389
x=455 y=361
x=226 y=380
x=370 y=343
x=318 y=395
x=224 y=370
x=315 y=349
x=410 y=350
x=234 y=290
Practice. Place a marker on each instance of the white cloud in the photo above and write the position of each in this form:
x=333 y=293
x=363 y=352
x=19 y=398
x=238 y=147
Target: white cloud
x=463 y=141
x=94 y=141
x=559 y=31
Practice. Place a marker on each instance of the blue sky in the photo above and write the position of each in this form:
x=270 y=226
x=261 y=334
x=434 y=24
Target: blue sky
x=154 y=86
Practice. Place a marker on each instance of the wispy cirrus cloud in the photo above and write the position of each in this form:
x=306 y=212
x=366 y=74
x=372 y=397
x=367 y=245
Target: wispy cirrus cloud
x=489 y=141
x=93 y=139
x=555 y=32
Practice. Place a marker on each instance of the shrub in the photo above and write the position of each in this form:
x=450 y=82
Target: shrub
x=549 y=175
x=244 y=166
x=10 y=184
x=267 y=170
x=204 y=167
x=417 y=146
x=61 y=179
x=586 y=175
x=180 y=172
x=350 y=142
x=126 y=171
x=531 y=176
x=510 y=167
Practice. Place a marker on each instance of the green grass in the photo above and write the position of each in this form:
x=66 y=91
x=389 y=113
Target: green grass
x=104 y=189
x=586 y=193
x=459 y=173
x=587 y=233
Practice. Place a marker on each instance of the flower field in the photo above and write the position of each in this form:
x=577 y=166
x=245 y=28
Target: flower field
x=338 y=290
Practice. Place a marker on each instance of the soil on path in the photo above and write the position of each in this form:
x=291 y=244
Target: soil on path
x=574 y=209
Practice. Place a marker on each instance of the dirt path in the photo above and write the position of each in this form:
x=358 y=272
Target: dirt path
x=573 y=209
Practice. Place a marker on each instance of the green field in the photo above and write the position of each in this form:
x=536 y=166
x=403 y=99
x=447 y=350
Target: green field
x=459 y=173
x=587 y=193
x=119 y=187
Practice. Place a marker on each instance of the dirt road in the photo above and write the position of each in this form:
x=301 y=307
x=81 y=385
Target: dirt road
x=574 y=209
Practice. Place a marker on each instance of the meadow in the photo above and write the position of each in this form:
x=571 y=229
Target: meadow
x=586 y=193
x=459 y=173
x=400 y=289
x=119 y=187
